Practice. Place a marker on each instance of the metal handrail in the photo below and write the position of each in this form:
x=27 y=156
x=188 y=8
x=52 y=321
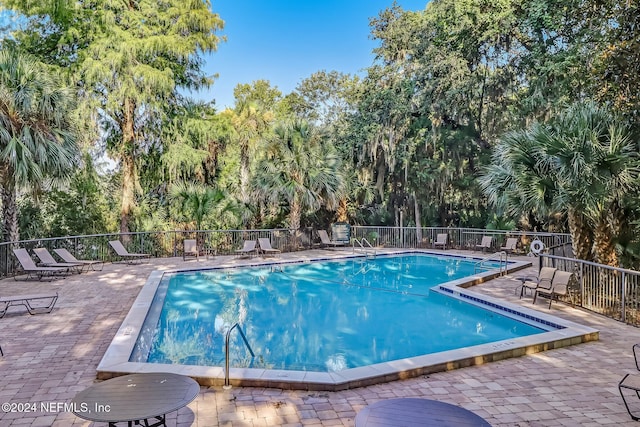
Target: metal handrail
x=478 y=265
x=227 y=385
x=361 y=244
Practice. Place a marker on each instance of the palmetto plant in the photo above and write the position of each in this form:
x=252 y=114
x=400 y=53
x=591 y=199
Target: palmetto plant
x=300 y=169
x=197 y=202
x=583 y=163
x=37 y=141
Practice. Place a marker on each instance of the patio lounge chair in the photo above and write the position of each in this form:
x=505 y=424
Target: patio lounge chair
x=441 y=240
x=559 y=287
x=248 y=249
x=124 y=254
x=46 y=302
x=325 y=241
x=30 y=267
x=486 y=243
x=631 y=382
x=68 y=257
x=510 y=245
x=47 y=260
x=265 y=247
x=190 y=249
x=543 y=281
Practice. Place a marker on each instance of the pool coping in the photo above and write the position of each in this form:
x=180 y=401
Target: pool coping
x=116 y=362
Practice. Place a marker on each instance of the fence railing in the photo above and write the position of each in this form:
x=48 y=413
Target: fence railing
x=459 y=238
x=169 y=243
x=159 y=244
x=610 y=291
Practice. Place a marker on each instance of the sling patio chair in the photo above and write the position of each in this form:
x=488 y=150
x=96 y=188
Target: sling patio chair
x=326 y=241
x=125 y=255
x=441 y=240
x=543 y=281
x=68 y=257
x=47 y=260
x=510 y=245
x=486 y=243
x=190 y=249
x=248 y=249
x=32 y=270
x=559 y=287
x=266 y=248
x=45 y=303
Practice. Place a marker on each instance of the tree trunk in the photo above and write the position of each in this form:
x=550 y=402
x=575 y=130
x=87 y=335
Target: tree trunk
x=128 y=164
x=244 y=172
x=295 y=213
x=416 y=207
x=342 y=213
x=580 y=235
x=10 y=232
x=603 y=243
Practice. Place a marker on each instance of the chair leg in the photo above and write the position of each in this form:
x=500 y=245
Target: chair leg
x=621 y=385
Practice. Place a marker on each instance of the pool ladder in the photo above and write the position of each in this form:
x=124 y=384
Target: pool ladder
x=501 y=257
x=369 y=250
x=227 y=384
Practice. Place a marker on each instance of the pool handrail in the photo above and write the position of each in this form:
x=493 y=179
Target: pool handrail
x=227 y=385
x=500 y=256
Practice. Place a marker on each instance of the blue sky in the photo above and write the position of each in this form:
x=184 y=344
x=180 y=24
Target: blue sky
x=285 y=41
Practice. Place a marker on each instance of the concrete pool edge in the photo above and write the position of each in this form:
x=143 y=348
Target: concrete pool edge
x=115 y=361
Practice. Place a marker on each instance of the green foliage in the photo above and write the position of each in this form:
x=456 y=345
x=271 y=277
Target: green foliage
x=583 y=163
x=299 y=169
x=37 y=141
x=458 y=86
x=199 y=206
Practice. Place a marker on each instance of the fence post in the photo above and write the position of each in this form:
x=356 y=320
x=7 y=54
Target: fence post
x=581 y=285
x=623 y=291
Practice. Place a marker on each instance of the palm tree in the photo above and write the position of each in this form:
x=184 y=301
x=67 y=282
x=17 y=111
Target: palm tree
x=582 y=163
x=597 y=165
x=37 y=141
x=249 y=123
x=299 y=169
x=197 y=202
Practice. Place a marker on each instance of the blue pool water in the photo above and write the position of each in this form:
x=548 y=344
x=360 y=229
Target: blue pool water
x=320 y=316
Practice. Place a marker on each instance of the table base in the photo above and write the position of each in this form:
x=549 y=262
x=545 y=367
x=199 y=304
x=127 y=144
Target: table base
x=161 y=422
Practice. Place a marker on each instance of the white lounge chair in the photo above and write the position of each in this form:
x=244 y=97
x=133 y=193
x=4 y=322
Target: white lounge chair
x=559 y=287
x=543 y=281
x=122 y=252
x=47 y=260
x=265 y=246
x=510 y=245
x=190 y=249
x=248 y=249
x=485 y=243
x=441 y=240
x=30 y=267
x=68 y=257
x=324 y=238
x=27 y=301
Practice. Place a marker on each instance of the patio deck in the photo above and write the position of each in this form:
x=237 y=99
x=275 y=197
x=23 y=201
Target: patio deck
x=50 y=357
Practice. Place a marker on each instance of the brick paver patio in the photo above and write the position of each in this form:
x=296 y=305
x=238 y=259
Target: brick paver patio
x=50 y=357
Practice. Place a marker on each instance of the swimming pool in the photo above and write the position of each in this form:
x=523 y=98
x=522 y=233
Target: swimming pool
x=346 y=301
x=324 y=316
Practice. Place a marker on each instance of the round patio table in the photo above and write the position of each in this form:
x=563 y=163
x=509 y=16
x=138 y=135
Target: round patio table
x=413 y=412
x=135 y=398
